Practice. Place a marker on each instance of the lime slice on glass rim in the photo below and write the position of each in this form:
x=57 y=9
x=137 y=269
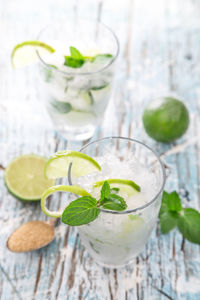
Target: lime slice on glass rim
x=24 y=177
x=58 y=164
x=57 y=167
x=125 y=186
x=26 y=53
x=75 y=189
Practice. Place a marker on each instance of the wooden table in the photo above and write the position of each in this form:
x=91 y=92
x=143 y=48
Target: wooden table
x=159 y=55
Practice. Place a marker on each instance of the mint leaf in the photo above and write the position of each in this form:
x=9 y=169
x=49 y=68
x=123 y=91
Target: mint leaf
x=168 y=217
x=103 y=56
x=114 y=190
x=76 y=60
x=189 y=225
x=81 y=211
x=170 y=202
x=72 y=62
x=109 y=199
x=168 y=220
x=105 y=191
x=62 y=107
x=76 y=54
x=96 y=88
x=164 y=206
x=114 y=202
x=173 y=202
x=86 y=209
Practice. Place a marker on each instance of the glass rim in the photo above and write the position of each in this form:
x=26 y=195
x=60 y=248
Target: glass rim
x=161 y=165
x=84 y=73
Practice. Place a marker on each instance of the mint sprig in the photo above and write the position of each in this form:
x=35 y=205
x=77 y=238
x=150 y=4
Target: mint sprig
x=189 y=225
x=76 y=59
x=105 y=192
x=86 y=209
x=172 y=215
x=109 y=199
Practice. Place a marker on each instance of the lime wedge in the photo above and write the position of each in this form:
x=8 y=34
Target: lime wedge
x=100 y=92
x=57 y=166
x=26 y=53
x=24 y=177
x=87 y=96
x=60 y=188
x=77 y=118
x=125 y=186
x=131 y=224
x=82 y=103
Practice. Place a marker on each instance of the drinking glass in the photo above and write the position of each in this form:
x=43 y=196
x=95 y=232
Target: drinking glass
x=76 y=98
x=116 y=237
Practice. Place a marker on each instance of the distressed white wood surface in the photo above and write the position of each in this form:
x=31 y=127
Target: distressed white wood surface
x=159 y=55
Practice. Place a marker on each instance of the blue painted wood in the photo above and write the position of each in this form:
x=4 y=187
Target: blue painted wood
x=159 y=55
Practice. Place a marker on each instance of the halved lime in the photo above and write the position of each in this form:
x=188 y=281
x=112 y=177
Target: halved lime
x=60 y=188
x=26 y=53
x=24 y=177
x=57 y=166
x=125 y=186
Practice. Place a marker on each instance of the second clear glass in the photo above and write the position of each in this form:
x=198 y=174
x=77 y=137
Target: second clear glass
x=76 y=98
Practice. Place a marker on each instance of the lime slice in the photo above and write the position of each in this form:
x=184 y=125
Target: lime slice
x=26 y=53
x=82 y=102
x=80 y=118
x=99 y=93
x=125 y=186
x=24 y=177
x=87 y=96
x=132 y=224
x=75 y=189
x=57 y=166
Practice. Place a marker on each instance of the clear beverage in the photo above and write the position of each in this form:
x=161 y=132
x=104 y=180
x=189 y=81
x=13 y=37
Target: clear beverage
x=115 y=238
x=77 y=97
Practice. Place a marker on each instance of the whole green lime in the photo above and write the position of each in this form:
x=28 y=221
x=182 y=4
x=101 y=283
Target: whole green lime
x=166 y=119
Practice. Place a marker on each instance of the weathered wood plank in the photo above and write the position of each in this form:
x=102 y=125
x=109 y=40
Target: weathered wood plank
x=159 y=54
